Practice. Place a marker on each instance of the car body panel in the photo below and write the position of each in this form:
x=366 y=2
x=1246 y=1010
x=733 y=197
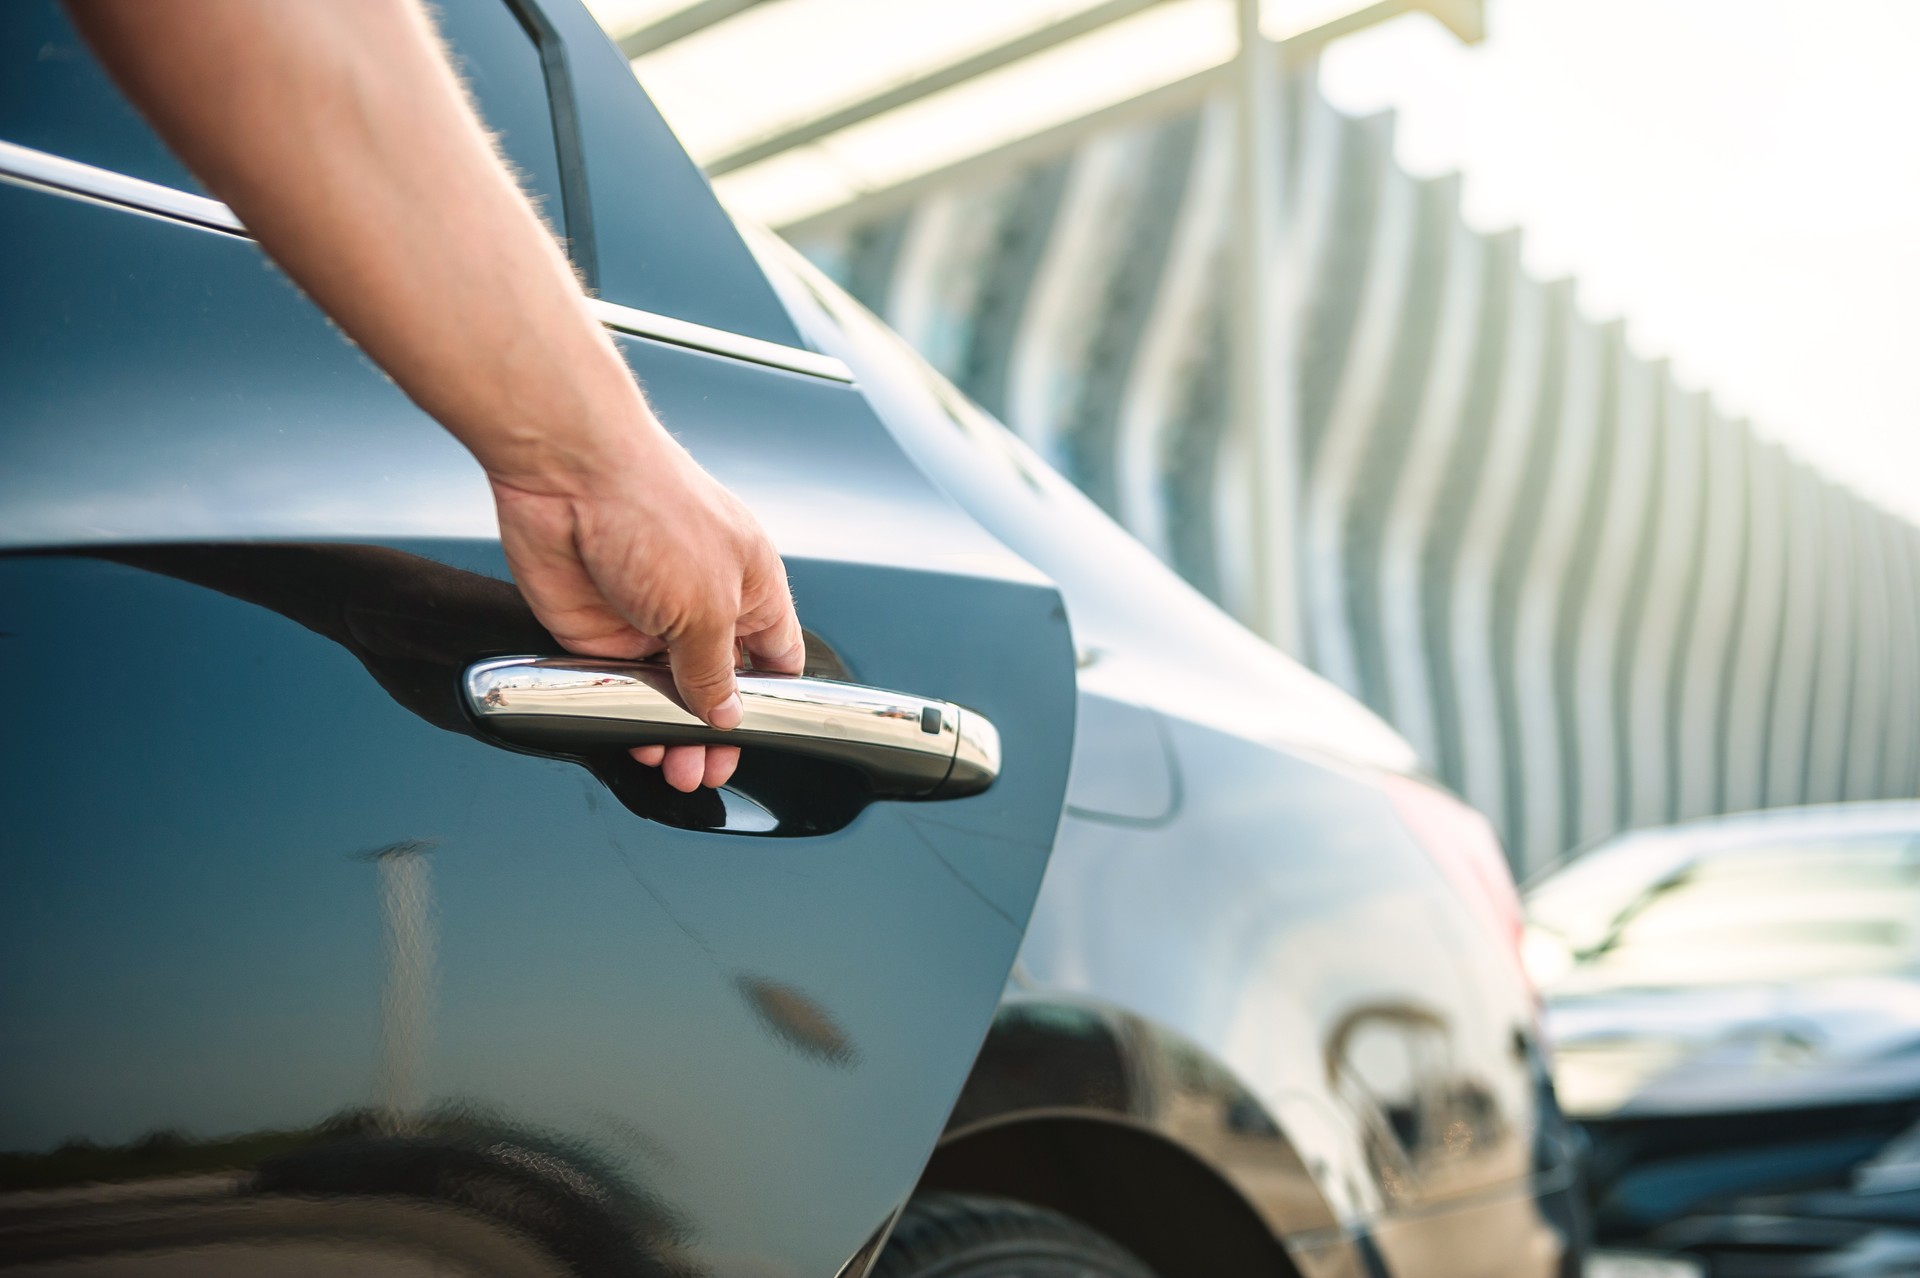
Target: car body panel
x=1234 y=875
x=281 y=925
x=276 y=436
x=1287 y=927
x=200 y=858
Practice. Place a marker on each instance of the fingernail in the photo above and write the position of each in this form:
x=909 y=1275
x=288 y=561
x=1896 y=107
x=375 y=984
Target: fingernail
x=727 y=714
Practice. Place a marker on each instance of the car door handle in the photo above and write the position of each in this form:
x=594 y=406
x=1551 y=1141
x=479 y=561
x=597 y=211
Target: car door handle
x=907 y=747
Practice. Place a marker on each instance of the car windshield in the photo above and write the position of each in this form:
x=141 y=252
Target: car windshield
x=1792 y=911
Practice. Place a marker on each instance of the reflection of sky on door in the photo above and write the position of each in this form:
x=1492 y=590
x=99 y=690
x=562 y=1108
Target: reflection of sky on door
x=192 y=939
x=1739 y=178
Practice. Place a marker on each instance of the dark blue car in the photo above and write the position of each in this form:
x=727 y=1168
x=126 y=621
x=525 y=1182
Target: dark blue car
x=1735 y=1006
x=1060 y=926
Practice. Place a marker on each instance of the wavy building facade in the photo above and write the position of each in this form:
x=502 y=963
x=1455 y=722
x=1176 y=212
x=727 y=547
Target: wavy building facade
x=1588 y=598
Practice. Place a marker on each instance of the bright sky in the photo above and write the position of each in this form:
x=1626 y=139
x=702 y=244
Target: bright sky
x=1740 y=179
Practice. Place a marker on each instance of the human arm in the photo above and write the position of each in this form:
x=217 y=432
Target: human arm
x=340 y=136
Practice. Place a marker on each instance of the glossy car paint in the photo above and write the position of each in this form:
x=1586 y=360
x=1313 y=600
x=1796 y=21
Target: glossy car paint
x=1241 y=950
x=303 y=960
x=1764 y=1127
x=295 y=959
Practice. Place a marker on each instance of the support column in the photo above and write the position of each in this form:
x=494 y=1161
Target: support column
x=1263 y=372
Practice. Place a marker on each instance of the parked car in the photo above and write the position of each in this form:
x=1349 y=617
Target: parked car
x=341 y=935
x=1735 y=1011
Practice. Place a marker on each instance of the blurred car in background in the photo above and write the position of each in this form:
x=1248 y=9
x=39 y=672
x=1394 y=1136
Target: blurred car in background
x=1735 y=1011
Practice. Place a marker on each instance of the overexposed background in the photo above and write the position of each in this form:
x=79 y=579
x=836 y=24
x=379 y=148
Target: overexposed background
x=1740 y=179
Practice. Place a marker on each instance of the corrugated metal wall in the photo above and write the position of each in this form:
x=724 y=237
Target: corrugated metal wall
x=1589 y=599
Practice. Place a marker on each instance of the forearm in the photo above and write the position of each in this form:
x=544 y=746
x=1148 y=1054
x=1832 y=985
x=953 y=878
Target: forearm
x=338 y=135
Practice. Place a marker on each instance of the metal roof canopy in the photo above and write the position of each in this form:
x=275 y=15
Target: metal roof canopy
x=798 y=108
x=1041 y=77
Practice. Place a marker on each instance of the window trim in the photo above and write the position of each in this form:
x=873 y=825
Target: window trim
x=25 y=166
x=563 y=114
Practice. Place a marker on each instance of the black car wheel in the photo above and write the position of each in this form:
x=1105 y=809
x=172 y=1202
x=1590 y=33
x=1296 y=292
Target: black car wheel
x=961 y=1236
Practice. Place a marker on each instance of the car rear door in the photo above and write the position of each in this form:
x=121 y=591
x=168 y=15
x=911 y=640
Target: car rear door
x=303 y=966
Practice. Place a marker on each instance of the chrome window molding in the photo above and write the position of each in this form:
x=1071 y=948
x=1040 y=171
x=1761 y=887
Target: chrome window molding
x=718 y=341
x=71 y=177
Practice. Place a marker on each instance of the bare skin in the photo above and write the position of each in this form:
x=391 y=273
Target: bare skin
x=340 y=136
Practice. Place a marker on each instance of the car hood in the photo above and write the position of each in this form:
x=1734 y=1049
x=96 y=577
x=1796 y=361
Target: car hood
x=1738 y=1048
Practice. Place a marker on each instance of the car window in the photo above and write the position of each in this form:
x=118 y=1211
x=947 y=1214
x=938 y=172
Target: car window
x=1786 y=912
x=1579 y=900
x=55 y=97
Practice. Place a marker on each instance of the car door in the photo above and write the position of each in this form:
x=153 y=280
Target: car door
x=304 y=966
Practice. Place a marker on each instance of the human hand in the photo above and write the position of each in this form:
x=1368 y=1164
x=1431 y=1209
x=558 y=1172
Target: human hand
x=644 y=552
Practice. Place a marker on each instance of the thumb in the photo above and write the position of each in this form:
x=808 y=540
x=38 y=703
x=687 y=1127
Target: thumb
x=702 y=663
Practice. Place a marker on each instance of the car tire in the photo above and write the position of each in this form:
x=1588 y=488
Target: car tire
x=964 y=1236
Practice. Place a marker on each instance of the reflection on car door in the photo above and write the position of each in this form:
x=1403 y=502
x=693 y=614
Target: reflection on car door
x=295 y=953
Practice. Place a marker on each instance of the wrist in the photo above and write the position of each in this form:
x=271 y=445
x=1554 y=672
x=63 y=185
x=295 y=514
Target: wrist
x=589 y=451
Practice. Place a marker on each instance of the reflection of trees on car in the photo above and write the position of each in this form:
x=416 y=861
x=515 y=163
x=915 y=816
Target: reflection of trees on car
x=524 y=1203
x=1393 y=1065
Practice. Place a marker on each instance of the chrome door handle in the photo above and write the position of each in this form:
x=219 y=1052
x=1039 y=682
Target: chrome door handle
x=908 y=747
